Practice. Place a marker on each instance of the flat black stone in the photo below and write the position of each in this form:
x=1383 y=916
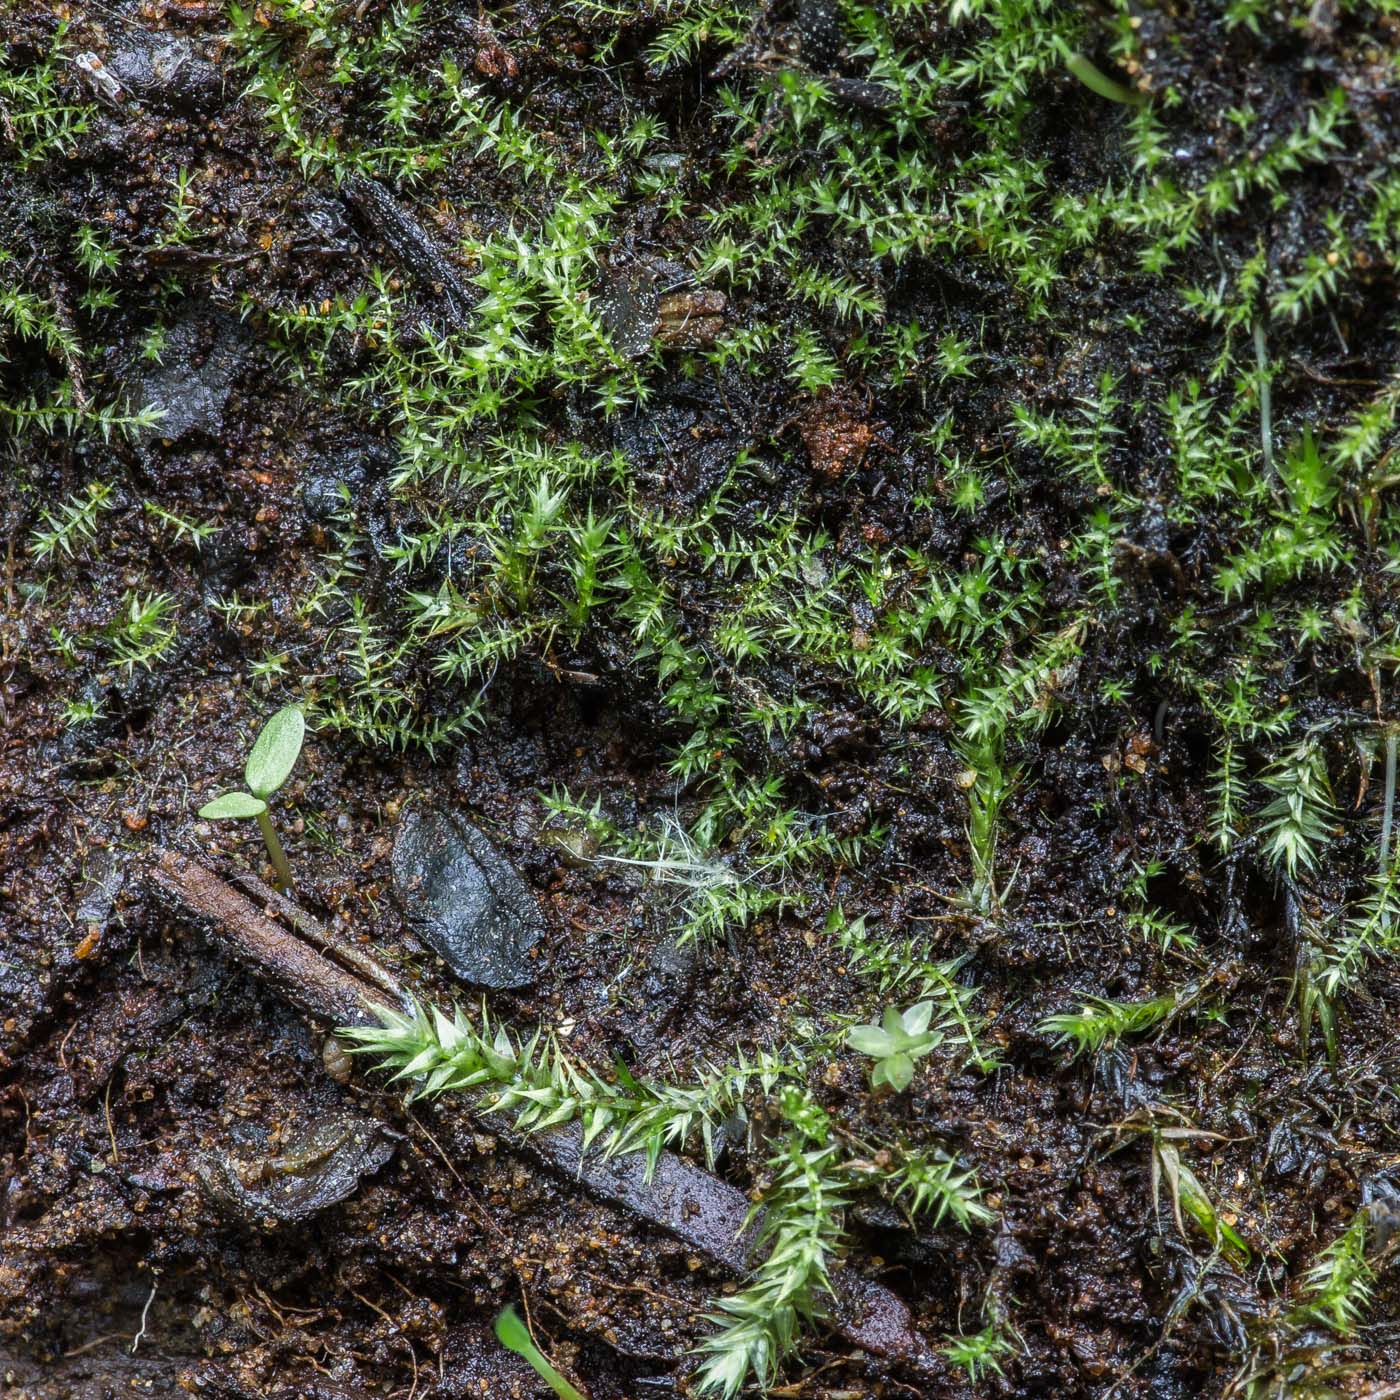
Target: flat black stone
x=466 y=899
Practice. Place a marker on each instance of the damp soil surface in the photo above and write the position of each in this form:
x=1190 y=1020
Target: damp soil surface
x=198 y=1193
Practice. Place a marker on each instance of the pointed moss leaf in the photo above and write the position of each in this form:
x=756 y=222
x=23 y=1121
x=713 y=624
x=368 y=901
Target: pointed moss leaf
x=275 y=753
x=233 y=804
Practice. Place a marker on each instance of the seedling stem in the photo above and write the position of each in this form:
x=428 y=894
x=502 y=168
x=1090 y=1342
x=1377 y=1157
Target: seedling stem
x=275 y=852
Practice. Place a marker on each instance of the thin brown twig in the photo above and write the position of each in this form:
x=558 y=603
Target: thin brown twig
x=95 y=1343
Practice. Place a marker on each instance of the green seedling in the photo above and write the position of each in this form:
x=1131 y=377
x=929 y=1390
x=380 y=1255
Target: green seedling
x=269 y=765
x=512 y=1334
x=899 y=1040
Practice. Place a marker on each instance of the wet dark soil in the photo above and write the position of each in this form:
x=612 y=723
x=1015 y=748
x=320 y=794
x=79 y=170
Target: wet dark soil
x=139 y=1062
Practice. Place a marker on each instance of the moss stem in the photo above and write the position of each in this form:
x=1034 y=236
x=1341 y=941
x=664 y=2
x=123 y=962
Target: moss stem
x=1389 y=813
x=1266 y=414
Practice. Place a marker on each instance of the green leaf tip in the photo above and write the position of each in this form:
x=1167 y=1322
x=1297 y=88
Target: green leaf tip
x=513 y=1335
x=276 y=751
x=1098 y=81
x=233 y=804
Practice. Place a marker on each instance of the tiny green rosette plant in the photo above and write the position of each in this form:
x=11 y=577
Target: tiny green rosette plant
x=269 y=765
x=896 y=1043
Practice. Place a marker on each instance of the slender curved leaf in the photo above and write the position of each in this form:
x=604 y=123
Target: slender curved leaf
x=512 y=1334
